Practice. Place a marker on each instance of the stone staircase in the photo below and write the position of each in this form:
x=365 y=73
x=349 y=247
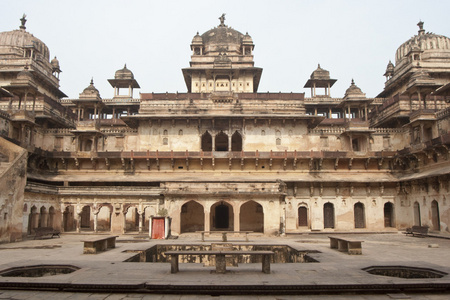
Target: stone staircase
x=4 y=163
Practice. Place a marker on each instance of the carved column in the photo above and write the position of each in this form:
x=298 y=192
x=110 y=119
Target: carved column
x=237 y=225
x=207 y=221
x=140 y=221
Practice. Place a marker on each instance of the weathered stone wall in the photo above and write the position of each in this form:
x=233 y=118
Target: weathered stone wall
x=13 y=176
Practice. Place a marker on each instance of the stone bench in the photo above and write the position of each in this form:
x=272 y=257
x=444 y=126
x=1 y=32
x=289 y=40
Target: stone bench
x=224 y=234
x=421 y=231
x=342 y=244
x=95 y=245
x=43 y=231
x=220 y=258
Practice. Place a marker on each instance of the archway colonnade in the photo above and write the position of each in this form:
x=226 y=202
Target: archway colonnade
x=221 y=141
x=222 y=216
x=94 y=217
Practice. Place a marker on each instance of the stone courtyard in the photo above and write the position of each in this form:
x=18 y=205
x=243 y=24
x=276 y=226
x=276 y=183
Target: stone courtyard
x=107 y=276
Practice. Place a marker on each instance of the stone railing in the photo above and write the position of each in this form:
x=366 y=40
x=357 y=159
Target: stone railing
x=443 y=113
x=331 y=130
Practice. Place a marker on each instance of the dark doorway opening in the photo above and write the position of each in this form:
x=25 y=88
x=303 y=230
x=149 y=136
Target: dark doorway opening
x=435 y=215
x=206 y=141
x=222 y=215
x=388 y=214
x=359 y=215
x=328 y=215
x=221 y=142
x=302 y=216
x=236 y=142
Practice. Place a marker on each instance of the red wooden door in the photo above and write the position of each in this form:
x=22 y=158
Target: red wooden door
x=158 y=228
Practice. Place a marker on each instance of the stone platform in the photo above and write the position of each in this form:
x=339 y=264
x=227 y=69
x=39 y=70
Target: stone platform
x=336 y=273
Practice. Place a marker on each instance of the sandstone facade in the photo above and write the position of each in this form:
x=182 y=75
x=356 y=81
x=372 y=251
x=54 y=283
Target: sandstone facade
x=223 y=156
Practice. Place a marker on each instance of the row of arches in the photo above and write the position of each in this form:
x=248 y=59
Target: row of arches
x=359 y=215
x=435 y=219
x=41 y=217
x=221 y=217
x=221 y=142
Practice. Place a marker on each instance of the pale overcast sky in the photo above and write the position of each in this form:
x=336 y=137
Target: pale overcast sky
x=351 y=39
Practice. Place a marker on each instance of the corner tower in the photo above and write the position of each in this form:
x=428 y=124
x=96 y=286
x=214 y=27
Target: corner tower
x=222 y=61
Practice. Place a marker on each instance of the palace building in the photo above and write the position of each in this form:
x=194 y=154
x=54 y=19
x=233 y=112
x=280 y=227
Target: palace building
x=223 y=156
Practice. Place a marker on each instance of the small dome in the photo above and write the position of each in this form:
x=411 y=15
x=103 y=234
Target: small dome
x=247 y=39
x=389 y=69
x=90 y=91
x=55 y=64
x=422 y=42
x=21 y=38
x=124 y=73
x=320 y=73
x=354 y=92
x=25 y=74
x=197 y=39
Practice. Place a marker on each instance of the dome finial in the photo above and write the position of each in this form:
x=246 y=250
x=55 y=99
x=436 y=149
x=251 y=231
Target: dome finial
x=222 y=20
x=353 y=82
x=92 y=81
x=23 y=21
x=421 y=30
x=125 y=66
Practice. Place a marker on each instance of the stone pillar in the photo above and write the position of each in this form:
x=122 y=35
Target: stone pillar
x=140 y=221
x=124 y=224
x=78 y=221
x=237 y=225
x=207 y=221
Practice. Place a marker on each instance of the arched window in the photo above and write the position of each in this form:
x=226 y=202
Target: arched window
x=206 y=141
x=236 y=142
x=222 y=142
x=180 y=132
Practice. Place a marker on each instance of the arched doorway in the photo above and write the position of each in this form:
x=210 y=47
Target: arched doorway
x=221 y=142
x=388 y=214
x=417 y=218
x=435 y=219
x=104 y=218
x=132 y=219
x=222 y=216
x=86 y=217
x=192 y=217
x=359 y=215
x=302 y=216
x=68 y=218
x=236 y=142
x=251 y=217
x=51 y=217
x=32 y=219
x=328 y=215
x=206 y=141
x=42 y=217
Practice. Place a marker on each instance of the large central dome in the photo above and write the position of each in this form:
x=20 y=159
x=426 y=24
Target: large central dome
x=21 y=39
x=423 y=41
x=222 y=35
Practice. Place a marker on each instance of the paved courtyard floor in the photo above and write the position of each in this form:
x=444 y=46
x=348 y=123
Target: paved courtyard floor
x=333 y=271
